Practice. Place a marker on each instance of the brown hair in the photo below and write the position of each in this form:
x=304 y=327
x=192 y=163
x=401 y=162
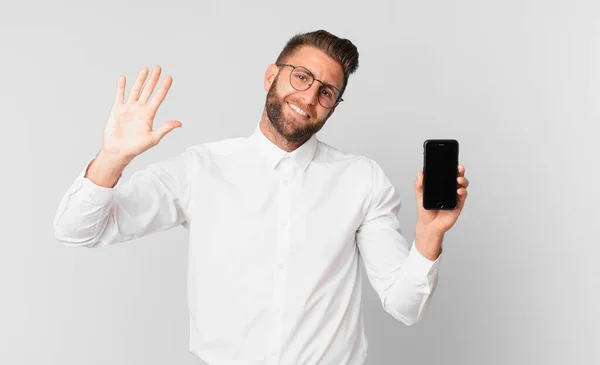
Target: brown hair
x=341 y=50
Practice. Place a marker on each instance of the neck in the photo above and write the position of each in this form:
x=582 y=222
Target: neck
x=273 y=135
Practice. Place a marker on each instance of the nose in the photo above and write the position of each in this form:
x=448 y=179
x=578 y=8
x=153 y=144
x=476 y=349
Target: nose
x=311 y=95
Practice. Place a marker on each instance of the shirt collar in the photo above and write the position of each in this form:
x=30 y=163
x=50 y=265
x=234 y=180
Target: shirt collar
x=272 y=154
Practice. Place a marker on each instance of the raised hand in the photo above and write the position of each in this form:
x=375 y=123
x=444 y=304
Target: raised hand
x=441 y=221
x=128 y=132
x=432 y=224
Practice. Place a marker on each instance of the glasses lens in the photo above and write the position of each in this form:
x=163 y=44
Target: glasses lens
x=301 y=79
x=327 y=96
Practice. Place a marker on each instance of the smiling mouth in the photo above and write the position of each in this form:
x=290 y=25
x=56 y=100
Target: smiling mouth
x=298 y=111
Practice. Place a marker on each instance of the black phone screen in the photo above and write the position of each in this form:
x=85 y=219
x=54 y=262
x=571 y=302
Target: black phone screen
x=440 y=169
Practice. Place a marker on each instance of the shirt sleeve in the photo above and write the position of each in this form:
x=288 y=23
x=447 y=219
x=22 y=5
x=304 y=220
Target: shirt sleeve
x=154 y=199
x=404 y=279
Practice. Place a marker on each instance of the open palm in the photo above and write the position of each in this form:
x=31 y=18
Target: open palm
x=128 y=131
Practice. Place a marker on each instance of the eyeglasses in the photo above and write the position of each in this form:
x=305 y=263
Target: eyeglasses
x=302 y=79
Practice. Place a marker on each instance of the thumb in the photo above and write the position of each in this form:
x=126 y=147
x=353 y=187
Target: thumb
x=165 y=128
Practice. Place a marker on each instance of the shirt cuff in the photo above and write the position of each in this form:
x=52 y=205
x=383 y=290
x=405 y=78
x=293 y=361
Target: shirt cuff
x=420 y=266
x=90 y=192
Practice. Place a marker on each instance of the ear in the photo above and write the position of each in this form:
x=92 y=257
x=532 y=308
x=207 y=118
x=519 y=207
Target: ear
x=272 y=71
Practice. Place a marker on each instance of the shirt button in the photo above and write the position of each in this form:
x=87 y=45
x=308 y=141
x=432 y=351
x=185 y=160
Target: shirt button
x=281 y=266
x=285 y=182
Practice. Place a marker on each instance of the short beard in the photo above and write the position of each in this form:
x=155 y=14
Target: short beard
x=274 y=107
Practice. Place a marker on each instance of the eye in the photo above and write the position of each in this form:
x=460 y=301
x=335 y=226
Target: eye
x=302 y=77
x=327 y=93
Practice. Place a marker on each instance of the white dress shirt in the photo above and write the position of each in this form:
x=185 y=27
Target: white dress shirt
x=275 y=245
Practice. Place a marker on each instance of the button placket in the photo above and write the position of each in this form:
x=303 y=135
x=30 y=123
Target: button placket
x=283 y=218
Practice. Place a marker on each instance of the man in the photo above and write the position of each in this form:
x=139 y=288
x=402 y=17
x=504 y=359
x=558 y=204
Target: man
x=277 y=221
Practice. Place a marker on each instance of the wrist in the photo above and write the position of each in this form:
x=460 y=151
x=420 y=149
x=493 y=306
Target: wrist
x=429 y=230
x=428 y=241
x=113 y=159
x=106 y=169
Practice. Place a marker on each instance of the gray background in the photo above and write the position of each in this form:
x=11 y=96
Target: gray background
x=516 y=82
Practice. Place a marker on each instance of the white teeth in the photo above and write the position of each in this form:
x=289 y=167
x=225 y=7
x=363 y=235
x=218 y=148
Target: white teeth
x=300 y=111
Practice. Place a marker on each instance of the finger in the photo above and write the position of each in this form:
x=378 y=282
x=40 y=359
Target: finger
x=419 y=180
x=149 y=87
x=462 y=197
x=161 y=93
x=461 y=170
x=120 y=90
x=419 y=185
x=165 y=128
x=135 y=90
x=463 y=182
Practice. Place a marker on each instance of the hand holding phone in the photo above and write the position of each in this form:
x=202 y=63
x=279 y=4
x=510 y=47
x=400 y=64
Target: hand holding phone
x=440 y=172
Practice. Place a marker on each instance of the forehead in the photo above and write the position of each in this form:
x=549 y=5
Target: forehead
x=322 y=66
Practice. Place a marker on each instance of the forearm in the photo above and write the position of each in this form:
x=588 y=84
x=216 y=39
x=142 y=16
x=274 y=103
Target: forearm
x=82 y=212
x=153 y=199
x=79 y=221
x=413 y=285
x=408 y=298
x=85 y=208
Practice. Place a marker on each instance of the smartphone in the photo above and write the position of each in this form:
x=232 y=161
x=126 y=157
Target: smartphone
x=440 y=170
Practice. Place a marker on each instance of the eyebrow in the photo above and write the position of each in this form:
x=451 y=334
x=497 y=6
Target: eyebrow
x=325 y=84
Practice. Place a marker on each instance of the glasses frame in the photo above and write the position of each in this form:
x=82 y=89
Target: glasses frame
x=339 y=98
